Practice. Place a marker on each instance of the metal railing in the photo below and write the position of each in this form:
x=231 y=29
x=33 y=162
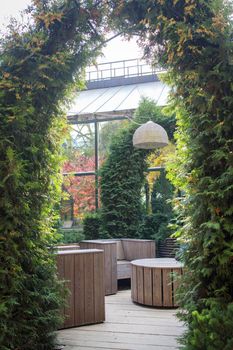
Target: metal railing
x=124 y=69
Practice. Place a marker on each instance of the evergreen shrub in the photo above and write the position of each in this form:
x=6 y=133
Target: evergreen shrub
x=123 y=176
x=91 y=226
x=40 y=63
x=161 y=204
x=193 y=41
x=73 y=235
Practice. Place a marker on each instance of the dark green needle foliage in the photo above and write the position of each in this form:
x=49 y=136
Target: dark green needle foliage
x=39 y=64
x=193 y=40
x=123 y=176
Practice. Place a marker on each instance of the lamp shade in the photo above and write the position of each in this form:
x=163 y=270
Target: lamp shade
x=150 y=135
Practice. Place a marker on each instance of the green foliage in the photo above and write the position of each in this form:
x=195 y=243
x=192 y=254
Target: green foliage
x=123 y=176
x=91 y=226
x=193 y=40
x=39 y=65
x=162 y=194
x=74 y=235
x=155 y=225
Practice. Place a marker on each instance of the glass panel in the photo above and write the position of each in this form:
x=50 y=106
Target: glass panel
x=80 y=149
x=79 y=196
x=106 y=132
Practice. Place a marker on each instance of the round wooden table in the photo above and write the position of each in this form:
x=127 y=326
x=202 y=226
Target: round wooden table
x=154 y=281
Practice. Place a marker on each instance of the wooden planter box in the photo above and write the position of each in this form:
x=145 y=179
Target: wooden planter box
x=83 y=271
x=110 y=261
x=117 y=256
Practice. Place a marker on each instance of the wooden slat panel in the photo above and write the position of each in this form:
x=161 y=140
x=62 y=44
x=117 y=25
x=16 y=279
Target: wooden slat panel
x=148 y=288
x=167 y=288
x=69 y=277
x=86 y=299
x=152 y=250
x=113 y=255
x=137 y=250
x=124 y=269
x=125 y=248
x=60 y=274
x=134 y=293
x=140 y=285
x=89 y=291
x=110 y=262
x=108 y=269
x=157 y=287
x=175 y=277
x=99 y=287
x=79 y=293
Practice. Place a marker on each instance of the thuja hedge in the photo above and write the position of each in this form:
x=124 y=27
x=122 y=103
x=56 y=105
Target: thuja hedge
x=123 y=176
x=39 y=63
x=193 y=40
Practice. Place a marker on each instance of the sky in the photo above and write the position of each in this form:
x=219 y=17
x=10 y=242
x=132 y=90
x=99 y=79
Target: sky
x=117 y=49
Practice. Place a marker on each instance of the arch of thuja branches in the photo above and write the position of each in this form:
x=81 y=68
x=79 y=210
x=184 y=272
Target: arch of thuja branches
x=38 y=65
x=193 y=40
x=123 y=175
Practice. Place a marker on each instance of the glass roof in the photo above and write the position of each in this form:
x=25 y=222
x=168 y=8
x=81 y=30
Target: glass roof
x=112 y=101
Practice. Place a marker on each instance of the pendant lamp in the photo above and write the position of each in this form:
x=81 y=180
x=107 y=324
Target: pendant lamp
x=150 y=135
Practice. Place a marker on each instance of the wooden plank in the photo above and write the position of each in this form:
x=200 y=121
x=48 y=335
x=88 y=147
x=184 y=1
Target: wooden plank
x=99 y=287
x=148 y=287
x=89 y=291
x=60 y=274
x=82 y=345
x=69 y=277
x=79 y=293
x=144 y=319
x=137 y=250
x=157 y=287
x=140 y=285
x=152 y=249
x=125 y=248
x=134 y=294
x=124 y=269
x=115 y=337
x=120 y=251
x=142 y=328
x=108 y=269
x=113 y=255
x=136 y=329
x=110 y=262
x=167 y=288
x=176 y=276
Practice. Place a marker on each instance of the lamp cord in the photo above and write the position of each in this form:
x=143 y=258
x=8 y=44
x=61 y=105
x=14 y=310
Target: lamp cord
x=133 y=121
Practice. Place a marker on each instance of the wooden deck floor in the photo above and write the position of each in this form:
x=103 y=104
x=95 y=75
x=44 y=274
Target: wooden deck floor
x=128 y=326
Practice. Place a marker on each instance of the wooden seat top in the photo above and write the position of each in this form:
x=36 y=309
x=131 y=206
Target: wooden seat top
x=158 y=263
x=79 y=251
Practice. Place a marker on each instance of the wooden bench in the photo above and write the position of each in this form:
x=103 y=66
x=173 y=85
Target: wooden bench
x=132 y=249
x=83 y=271
x=117 y=256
